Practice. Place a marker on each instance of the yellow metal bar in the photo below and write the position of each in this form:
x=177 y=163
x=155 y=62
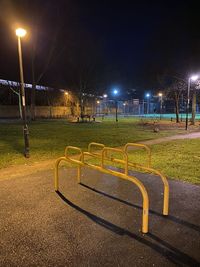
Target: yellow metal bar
x=73 y=148
x=79 y=163
x=139 y=184
x=128 y=145
x=165 y=183
x=56 y=172
x=163 y=178
x=97 y=145
x=109 y=149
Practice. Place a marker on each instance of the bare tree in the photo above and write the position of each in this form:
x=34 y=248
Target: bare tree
x=194 y=101
x=16 y=90
x=42 y=56
x=176 y=87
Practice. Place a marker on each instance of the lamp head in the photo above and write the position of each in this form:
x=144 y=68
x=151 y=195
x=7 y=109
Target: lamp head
x=20 y=32
x=194 y=78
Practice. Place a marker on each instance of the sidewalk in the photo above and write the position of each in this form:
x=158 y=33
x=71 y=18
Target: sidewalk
x=97 y=223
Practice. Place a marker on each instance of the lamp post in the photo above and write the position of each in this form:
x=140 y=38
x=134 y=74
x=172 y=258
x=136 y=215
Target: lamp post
x=20 y=34
x=67 y=97
x=115 y=92
x=98 y=102
x=147 y=96
x=192 y=78
x=161 y=96
x=105 y=104
x=124 y=104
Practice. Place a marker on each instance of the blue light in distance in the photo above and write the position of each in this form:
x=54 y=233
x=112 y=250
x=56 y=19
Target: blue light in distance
x=115 y=91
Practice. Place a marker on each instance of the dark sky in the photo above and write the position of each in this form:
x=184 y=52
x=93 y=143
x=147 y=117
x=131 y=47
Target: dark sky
x=133 y=43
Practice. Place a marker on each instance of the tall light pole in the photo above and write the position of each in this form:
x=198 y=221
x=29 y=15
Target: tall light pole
x=192 y=78
x=105 y=96
x=20 y=34
x=124 y=104
x=98 y=105
x=67 y=97
x=115 y=92
x=147 y=96
x=161 y=96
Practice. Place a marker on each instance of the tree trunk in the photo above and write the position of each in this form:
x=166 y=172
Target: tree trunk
x=177 y=108
x=33 y=86
x=194 y=102
x=33 y=101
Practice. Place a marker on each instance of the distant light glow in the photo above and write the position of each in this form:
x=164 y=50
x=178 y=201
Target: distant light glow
x=194 y=77
x=98 y=101
x=66 y=93
x=105 y=95
x=124 y=104
x=115 y=92
x=147 y=95
x=20 y=32
x=160 y=94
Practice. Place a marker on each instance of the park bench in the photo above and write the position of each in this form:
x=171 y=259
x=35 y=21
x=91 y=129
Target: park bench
x=84 y=118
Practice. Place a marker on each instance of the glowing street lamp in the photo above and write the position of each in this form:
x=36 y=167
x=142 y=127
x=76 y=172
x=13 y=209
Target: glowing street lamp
x=115 y=92
x=20 y=34
x=124 y=104
x=148 y=97
x=161 y=100
x=105 y=95
x=67 y=97
x=191 y=78
x=98 y=102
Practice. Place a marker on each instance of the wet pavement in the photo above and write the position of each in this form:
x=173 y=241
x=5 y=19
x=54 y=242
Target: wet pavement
x=97 y=223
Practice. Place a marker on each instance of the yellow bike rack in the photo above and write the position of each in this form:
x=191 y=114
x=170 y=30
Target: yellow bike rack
x=101 y=152
x=81 y=163
x=146 y=167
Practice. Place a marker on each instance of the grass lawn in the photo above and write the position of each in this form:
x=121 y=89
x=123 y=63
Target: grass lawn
x=178 y=159
x=48 y=138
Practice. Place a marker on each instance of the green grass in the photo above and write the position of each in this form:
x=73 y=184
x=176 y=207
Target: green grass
x=178 y=159
x=49 y=138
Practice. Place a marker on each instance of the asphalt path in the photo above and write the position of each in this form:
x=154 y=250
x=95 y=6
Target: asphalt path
x=96 y=223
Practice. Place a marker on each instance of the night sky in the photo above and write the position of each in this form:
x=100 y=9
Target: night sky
x=129 y=45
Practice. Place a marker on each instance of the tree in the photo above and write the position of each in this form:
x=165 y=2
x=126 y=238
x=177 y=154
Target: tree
x=85 y=69
x=176 y=87
x=194 y=101
x=40 y=60
x=17 y=92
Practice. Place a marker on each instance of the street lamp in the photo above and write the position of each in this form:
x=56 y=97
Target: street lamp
x=98 y=102
x=67 y=97
x=192 y=78
x=148 y=97
x=20 y=34
x=124 y=104
x=105 y=96
x=115 y=92
x=161 y=96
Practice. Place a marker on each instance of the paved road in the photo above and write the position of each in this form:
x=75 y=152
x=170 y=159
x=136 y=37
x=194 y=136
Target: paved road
x=171 y=138
x=97 y=223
